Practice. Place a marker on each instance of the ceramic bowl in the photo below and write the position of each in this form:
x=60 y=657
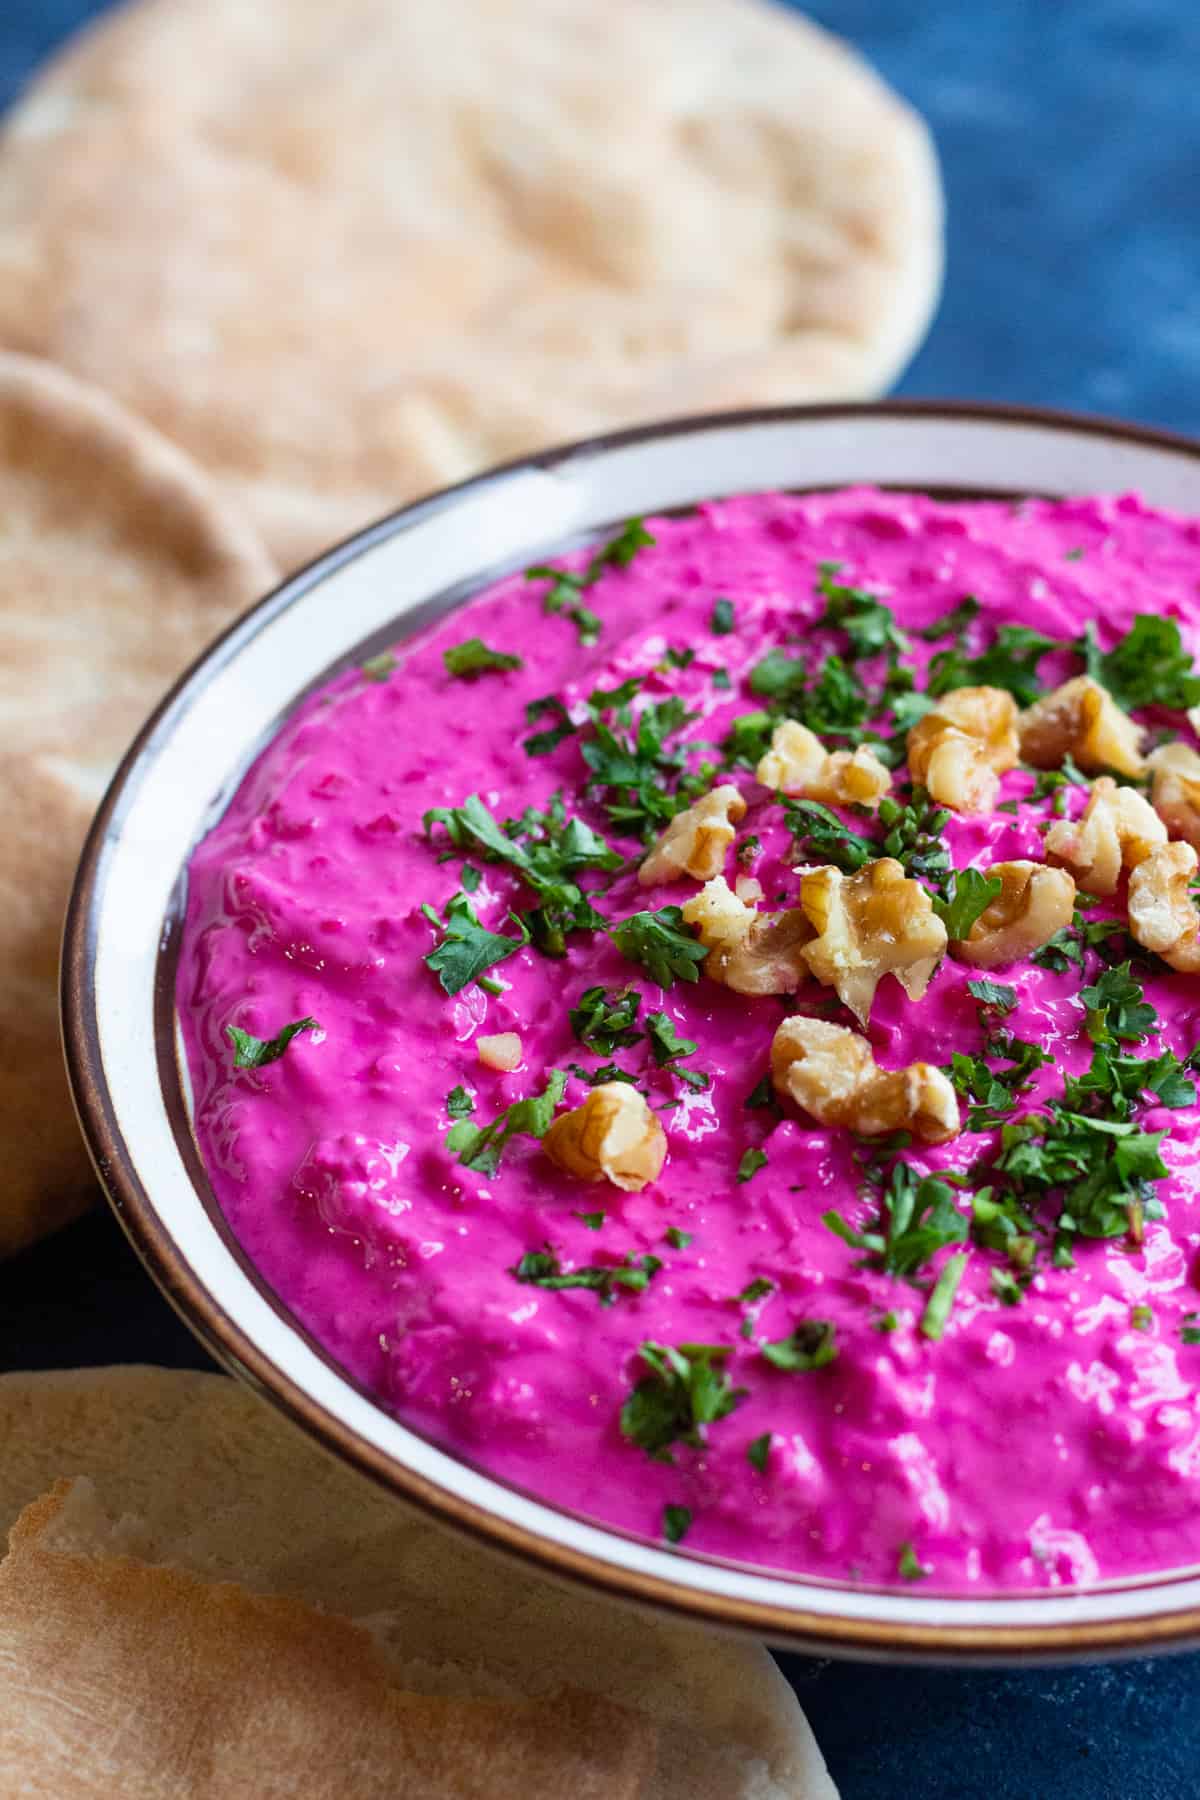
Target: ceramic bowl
x=118 y=987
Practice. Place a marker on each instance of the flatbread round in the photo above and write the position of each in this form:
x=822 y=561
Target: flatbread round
x=192 y=1470
x=345 y=254
x=118 y=560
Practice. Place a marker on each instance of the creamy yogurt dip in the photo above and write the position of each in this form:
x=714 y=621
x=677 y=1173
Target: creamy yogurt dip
x=756 y=1352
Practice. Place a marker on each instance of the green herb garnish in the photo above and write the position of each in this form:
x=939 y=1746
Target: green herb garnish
x=603 y=1024
x=250 y=1052
x=678 y=1240
x=459 y=1103
x=687 y=1389
x=662 y=944
x=758 y=1451
x=941 y=1298
x=540 y=1268
x=481 y=1147
x=543 y=742
x=677 y=1521
x=811 y=1344
x=970 y=894
x=566 y=587
x=908 y=1565
x=1149 y=667
x=378 y=668
x=752 y=1161
x=722 y=621
x=473 y=657
x=467 y=948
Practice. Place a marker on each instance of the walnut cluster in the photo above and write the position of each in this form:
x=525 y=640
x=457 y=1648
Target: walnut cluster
x=867 y=925
x=1162 y=909
x=613 y=1136
x=798 y=764
x=696 y=840
x=831 y=1074
x=1115 y=832
x=1081 y=720
x=749 y=951
x=960 y=749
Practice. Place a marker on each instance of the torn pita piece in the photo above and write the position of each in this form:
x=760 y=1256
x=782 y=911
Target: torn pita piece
x=118 y=562
x=347 y=253
x=194 y=1472
x=122 y=1678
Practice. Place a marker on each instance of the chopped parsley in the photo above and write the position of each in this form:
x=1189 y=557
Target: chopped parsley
x=758 y=1451
x=1141 y=1317
x=378 y=668
x=678 y=1240
x=1149 y=667
x=481 y=1147
x=953 y=623
x=677 y=1522
x=1010 y=661
x=1107 y=937
x=547 y=850
x=722 y=621
x=970 y=894
x=752 y=1161
x=564 y=594
x=543 y=742
x=593 y=1221
x=1116 y=1008
x=909 y=1566
x=662 y=944
x=459 y=1103
x=915 y=837
x=918 y=1218
x=811 y=1344
x=687 y=1389
x=1189 y=1329
x=467 y=948
x=540 y=1268
x=644 y=782
x=603 y=1025
x=473 y=657
x=820 y=836
x=668 y=1049
x=869 y=624
x=250 y=1052
x=995 y=997
x=941 y=1298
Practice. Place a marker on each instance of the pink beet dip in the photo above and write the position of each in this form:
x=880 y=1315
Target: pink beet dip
x=1037 y=1423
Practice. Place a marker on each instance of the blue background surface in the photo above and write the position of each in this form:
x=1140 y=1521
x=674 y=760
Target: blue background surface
x=1069 y=132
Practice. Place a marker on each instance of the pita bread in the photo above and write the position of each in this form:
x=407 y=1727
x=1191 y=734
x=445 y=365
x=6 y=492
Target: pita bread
x=345 y=254
x=118 y=561
x=191 y=1470
x=147 y=1682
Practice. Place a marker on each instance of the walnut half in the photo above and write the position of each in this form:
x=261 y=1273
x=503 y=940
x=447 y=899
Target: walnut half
x=1116 y=830
x=614 y=1136
x=831 y=1073
x=868 y=925
x=1082 y=720
x=798 y=763
x=696 y=840
x=960 y=749
x=1033 y=903
x=1162 y=909
x=748 y=951
x=1176 y=791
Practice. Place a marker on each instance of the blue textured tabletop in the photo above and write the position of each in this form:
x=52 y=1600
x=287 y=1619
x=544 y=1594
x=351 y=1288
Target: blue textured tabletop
x=1070 y=137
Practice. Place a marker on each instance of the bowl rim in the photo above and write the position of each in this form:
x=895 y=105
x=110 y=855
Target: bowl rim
x=233 y=1347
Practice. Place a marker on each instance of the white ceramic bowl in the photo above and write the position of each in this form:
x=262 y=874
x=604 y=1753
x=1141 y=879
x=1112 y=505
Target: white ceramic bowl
x=118 y=994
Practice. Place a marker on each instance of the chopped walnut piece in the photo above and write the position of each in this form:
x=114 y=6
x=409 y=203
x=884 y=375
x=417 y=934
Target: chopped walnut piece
x=1162 y=908
x=1176 y=791
x=1082 y=720
x=1116 y=830
x=869 y=924
x=1033 y=903
x=748 y=951
x=696 y=840
x=614 y=1136
x=748 y=888
x=798 y=763
x=501 y=1051
x=831 y=1073
x=960 y=749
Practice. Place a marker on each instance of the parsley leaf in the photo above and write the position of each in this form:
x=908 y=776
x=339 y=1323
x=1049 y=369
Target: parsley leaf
x=915 y=837
x=909 y=1566
x=459 y=1103
x=539 y=1268
x=811 y=1344
x=592 y=1221
x=603 y=1025
x=971 y=893
x=473 y=657
x=752 y=1161
x=1149 y=667
x=953 y=623
x=993 y=996
x=919 y=1218
x=667 y=1047
x=659 y=941
x=566 y=587
x=941 y=1298
x=481 y=1147
x=378 y=668
x=758 y=1451
x=678 y=1240
x=687 y=1388
x=250 y=1052
x=1117 y=1009
x=543 y=742
x=722 y=621
x=1010 y=661
x=820 y=836
x=677 y=1522
x=467 y=947
x=647 y=783
x=867 y=622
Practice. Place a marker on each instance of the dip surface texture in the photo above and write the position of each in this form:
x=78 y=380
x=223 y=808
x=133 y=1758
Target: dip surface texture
x=1050 y=1433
